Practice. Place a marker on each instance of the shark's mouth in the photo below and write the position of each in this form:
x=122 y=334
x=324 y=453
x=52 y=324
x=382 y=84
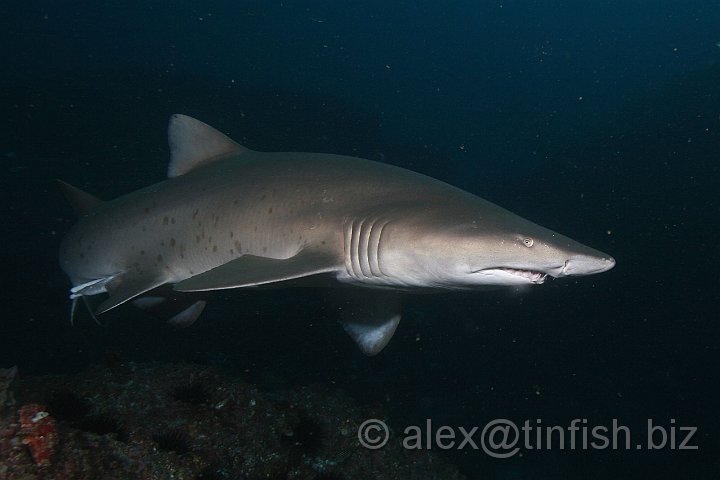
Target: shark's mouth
x=533 y=276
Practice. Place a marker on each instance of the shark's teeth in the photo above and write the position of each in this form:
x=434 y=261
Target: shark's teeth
x=533 y=276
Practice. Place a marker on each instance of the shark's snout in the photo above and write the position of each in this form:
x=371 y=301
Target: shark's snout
x=587 y=265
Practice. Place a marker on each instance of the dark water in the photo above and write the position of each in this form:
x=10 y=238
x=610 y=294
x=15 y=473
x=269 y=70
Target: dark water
x=597 y=119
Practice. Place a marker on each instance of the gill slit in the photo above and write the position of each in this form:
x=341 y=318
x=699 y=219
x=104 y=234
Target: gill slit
x=364 y=247
x=378 y=249
x=356 y=231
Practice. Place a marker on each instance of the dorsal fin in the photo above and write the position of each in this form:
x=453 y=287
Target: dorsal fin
x=194 y=143
x=81 y=201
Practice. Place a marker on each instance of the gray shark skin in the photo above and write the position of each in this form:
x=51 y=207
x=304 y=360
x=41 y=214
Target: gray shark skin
x=230 y=217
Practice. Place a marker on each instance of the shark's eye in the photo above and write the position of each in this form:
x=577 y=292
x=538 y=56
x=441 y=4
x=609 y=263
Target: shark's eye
x=528 y=242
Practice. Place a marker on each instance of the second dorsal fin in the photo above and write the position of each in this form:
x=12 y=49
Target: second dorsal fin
x=81 y=201
x=194 y=144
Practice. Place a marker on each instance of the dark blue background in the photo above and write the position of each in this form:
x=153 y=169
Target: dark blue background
x=597 y=119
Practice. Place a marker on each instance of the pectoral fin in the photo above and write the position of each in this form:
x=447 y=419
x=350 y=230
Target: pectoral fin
x=370 y=318
x=250 y=270
x=372 y=334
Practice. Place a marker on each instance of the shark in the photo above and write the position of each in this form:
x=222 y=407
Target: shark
x=230 y=217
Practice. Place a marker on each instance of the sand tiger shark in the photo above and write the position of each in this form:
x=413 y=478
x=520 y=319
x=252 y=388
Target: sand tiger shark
x=230 y=217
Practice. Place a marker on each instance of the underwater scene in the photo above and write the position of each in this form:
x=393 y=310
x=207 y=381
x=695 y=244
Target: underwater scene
x=402 y=240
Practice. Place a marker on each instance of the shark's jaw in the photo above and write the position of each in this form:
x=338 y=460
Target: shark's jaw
x=517 y=275
x=508 y=276
x=532 y=275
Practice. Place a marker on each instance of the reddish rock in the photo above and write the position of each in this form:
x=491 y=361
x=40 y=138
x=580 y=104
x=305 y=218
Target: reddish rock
x=38 y=432
x=152 y=421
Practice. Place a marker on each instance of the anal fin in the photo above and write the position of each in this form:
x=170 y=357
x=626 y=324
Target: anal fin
x=188 y=316
x=125 y=287
x=179 y=310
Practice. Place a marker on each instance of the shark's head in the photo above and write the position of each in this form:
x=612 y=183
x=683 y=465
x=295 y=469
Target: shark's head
x=463 y=249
